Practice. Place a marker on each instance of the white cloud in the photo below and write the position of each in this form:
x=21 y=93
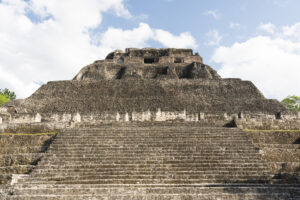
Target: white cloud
x=272 y=63
x=213 y=13
x=292 y=32
x=269 y=28
x=215 y=38
x=115 y=38
x=184 y=40
x=234 y=25
x=58 y=43
x=138 y=37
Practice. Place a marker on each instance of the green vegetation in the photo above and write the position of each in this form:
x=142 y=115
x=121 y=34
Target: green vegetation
x=8 y=94
x=292 y=102
x=3 y=99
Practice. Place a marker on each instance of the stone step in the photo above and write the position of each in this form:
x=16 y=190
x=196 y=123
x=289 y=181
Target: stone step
x=74 y=169
x=153 y=135
x=153 y=129
x=158 y=156
x=5 y=178
x=150 y=142
x=19 y=159
x=249 y=196
x=151 y=175
x=153 y=157
x=150 y=162
x=171 y=134
x=160 y=176
x=102 y=190
x=132 y=149
x=146 y=172
x=252 y=179
x=161 y=186
x=160 y=166
x=149 y=152
x=279 y=146
x=18 y=169
x=20 y=150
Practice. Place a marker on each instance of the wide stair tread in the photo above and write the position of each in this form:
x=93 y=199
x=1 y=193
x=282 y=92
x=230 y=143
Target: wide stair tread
x=171 y=161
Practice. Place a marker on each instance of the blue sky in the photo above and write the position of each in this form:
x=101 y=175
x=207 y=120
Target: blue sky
x=255 y=40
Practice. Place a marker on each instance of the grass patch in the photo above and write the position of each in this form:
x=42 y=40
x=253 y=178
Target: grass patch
x=271 y=131
x=36 y=134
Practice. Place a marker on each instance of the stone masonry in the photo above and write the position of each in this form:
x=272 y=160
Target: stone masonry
x=152 y=124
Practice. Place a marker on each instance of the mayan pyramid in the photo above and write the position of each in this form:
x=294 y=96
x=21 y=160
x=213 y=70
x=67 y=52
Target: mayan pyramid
x=150 y=124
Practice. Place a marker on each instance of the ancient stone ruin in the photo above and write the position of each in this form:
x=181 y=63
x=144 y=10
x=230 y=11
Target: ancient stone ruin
x=150 y=124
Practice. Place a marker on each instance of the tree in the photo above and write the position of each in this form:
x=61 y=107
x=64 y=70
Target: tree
x=8 y=94
x=3 y=99
x=292 y=102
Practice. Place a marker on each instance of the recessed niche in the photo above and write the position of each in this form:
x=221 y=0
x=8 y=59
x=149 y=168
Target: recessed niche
x=150 y=60
x=178 y=60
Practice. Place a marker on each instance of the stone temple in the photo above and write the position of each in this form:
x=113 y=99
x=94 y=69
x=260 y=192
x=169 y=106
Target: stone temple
x=150 y=124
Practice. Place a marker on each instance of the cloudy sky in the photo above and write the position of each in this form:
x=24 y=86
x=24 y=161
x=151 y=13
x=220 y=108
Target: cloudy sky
x=44 y=40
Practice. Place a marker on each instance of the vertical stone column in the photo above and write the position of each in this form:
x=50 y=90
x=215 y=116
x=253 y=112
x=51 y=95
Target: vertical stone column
x=126 y=117
x=77 y=117
x=118 y=117
x=38 y=118
x=202 y=116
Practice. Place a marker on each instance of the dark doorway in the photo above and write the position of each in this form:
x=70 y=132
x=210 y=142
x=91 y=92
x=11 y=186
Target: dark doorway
x=150 y=60
x=178 y=60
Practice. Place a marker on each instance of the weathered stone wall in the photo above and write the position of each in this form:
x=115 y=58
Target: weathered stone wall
x=242 y=120
x=267 y=121
x=87 y=97
x=162 y=56
x=20 y=153
x=112 y=71
x=280 y=149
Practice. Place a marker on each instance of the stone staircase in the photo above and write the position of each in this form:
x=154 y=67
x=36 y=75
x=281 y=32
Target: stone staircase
x=161 y=161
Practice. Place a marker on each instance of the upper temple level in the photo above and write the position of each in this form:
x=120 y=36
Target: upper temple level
x=148 y=63
x=152 y=56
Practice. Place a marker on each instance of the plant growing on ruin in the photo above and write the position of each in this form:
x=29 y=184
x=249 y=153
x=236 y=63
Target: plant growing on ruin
x=8 y=94
x=3 y=99
x=292 y=102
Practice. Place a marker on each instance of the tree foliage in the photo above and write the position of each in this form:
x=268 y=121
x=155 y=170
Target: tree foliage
x=3 y=99
x=292 y=102
x=8 y=94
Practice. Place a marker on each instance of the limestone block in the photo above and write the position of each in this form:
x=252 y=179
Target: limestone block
x=126 y=117
x=23 y=118
x=202 y=116
x=225 y=116
x=136 y=116
x=146 y=116
x=0 y=120
x=118 y=117
x=54 y=117
x=192 y=117
x=38 y=118
x=158 y=115
x=77 y=117
x=66 y=117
